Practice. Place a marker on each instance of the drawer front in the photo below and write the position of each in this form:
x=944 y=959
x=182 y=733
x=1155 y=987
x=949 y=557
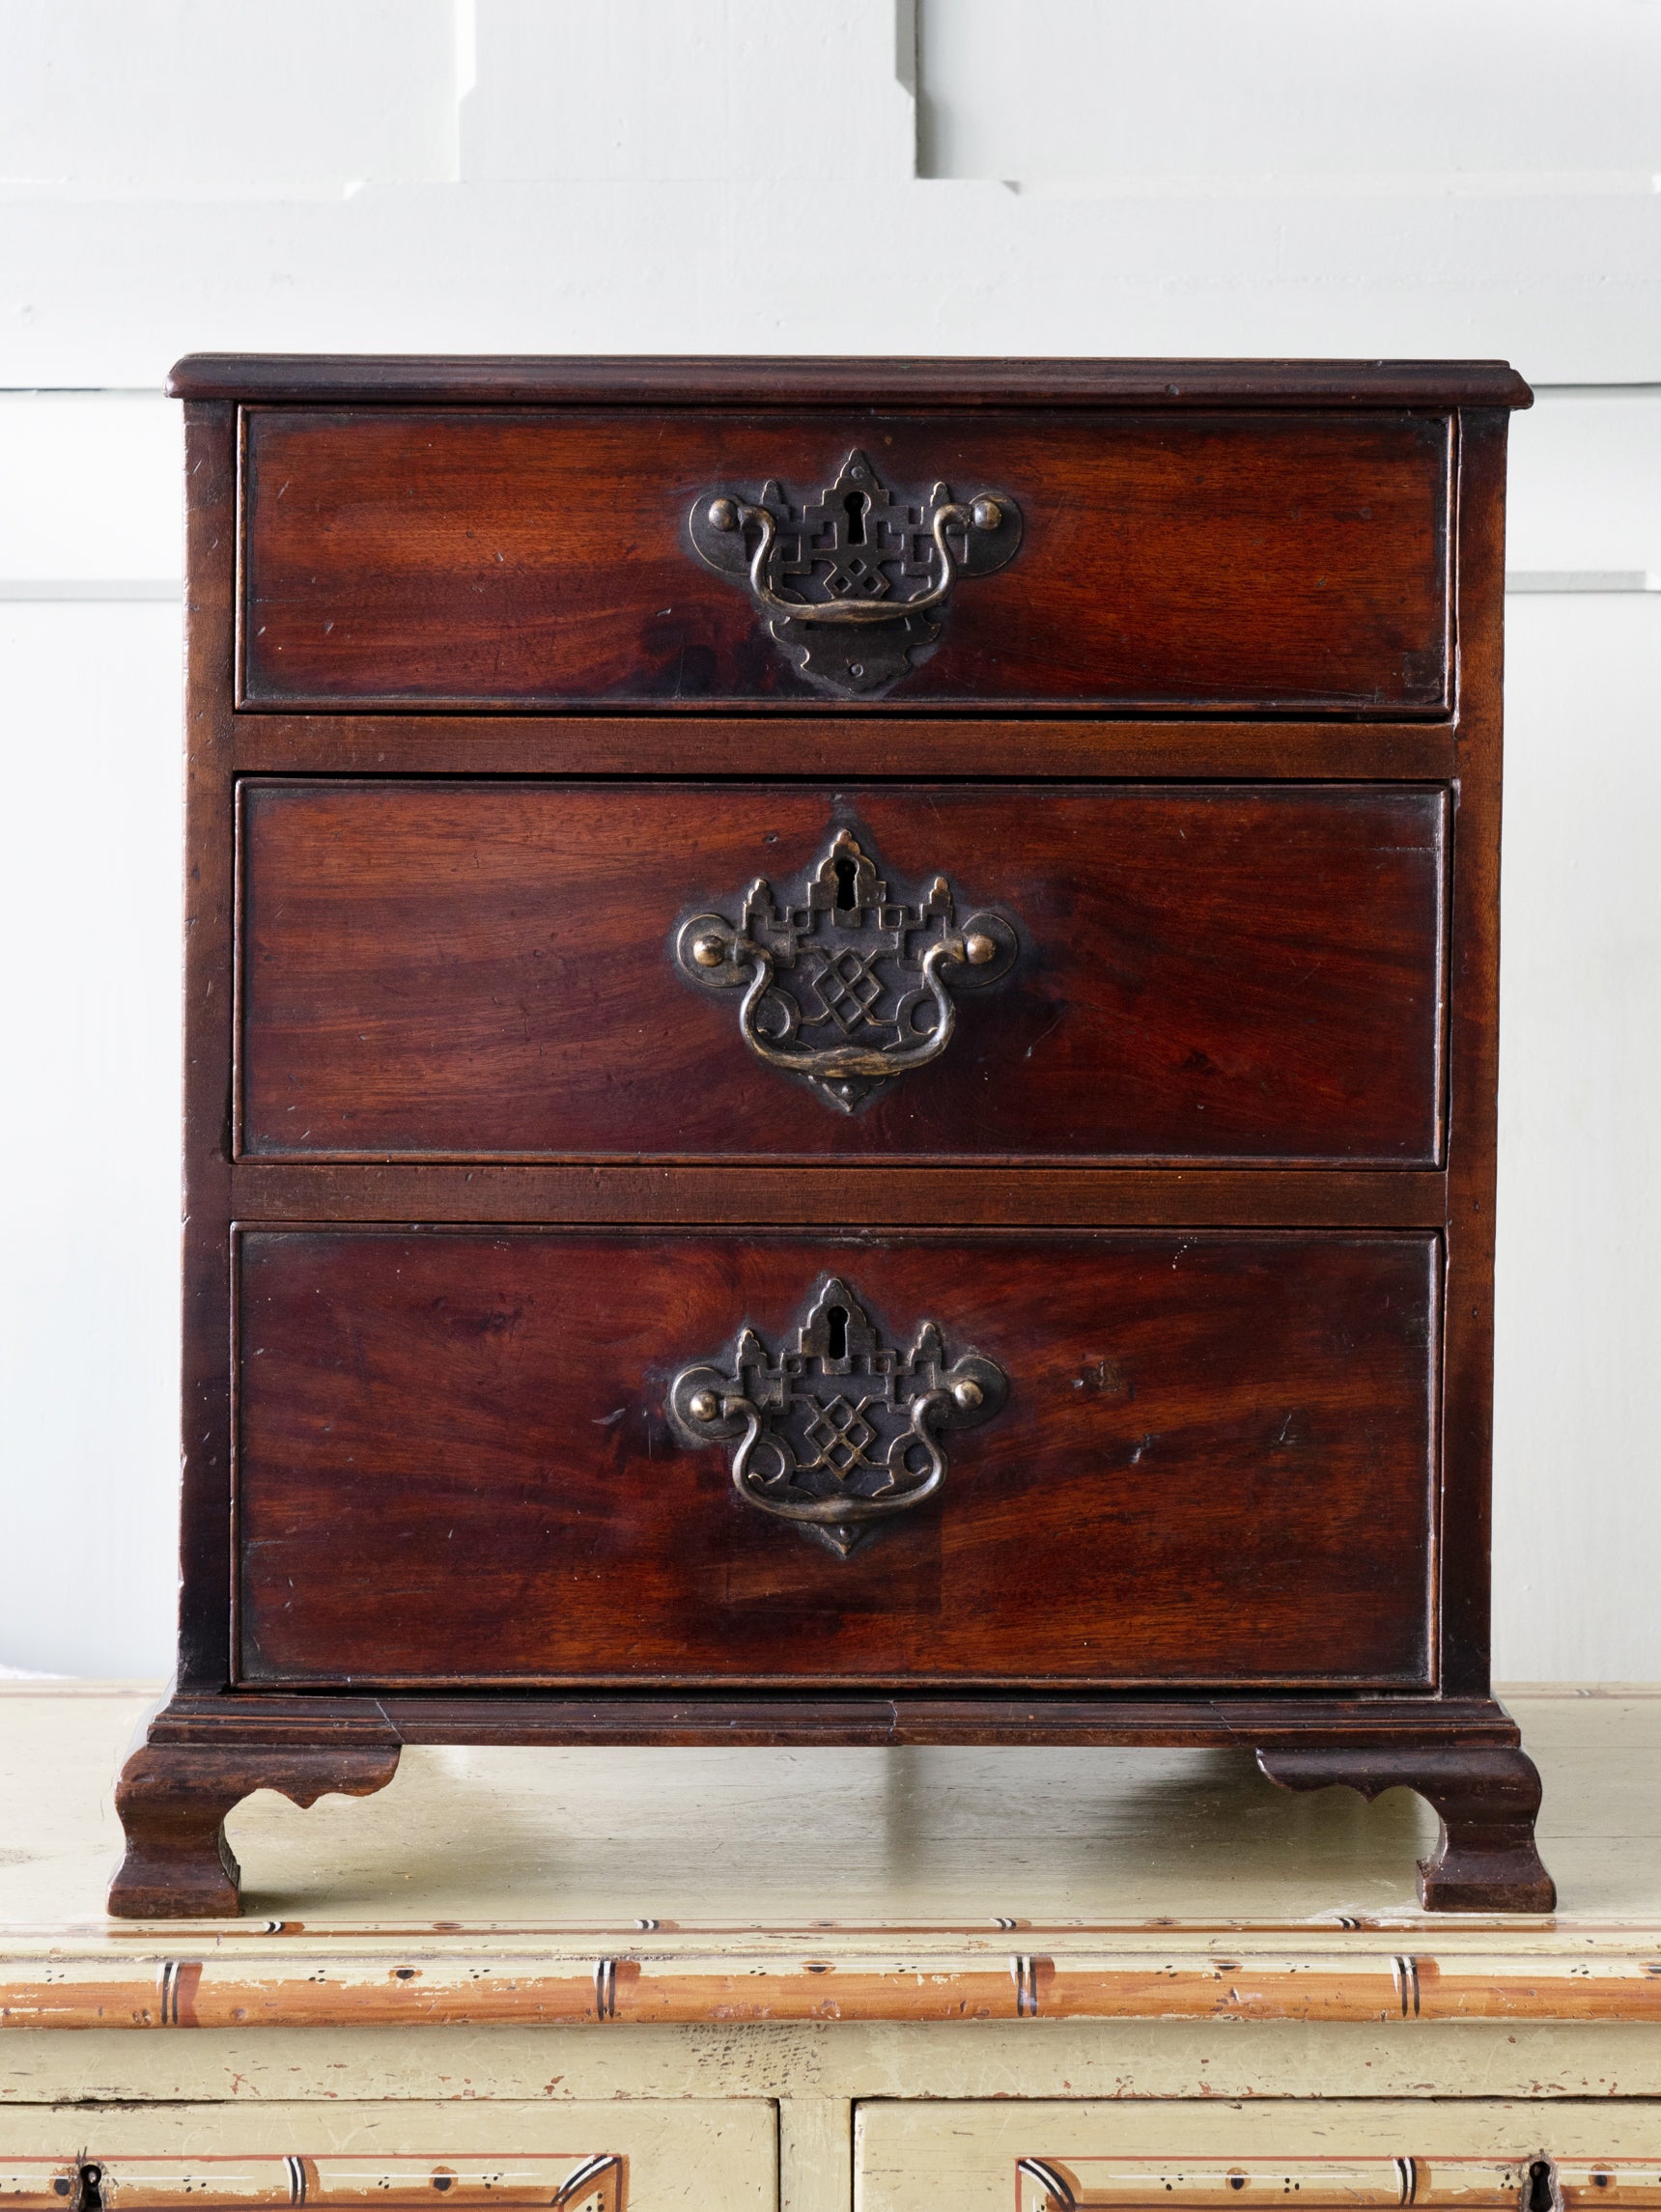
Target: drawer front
x=1455 y=2156
x=1204 y=1458
x=517 y=558
x=581 y=2157
x=455 y=969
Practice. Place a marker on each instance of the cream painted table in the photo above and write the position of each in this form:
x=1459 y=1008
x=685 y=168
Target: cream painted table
x=915 y=1980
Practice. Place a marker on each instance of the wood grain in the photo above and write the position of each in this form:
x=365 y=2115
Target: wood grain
x=210 y=1047
x=898 y=1198
x=172 y=1802
x=1487 y=1802
x=1474 y=1072
x=1125 y=1719
x=453 y=969
x=774 y=746
x=692 y=381
x=1277 y=586
x=454 y=1464
x=438 y=557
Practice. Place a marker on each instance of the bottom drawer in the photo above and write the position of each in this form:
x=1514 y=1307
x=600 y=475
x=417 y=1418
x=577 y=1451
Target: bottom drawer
x=615 y=2157
x=1040 y=2157
x=1116 y=1457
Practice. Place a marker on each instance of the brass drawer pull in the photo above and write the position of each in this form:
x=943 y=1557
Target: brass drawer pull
x=839 y=1433
x=839 y=959
x=842 y=562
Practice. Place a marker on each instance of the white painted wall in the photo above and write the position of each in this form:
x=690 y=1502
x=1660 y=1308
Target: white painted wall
x=1405 y=177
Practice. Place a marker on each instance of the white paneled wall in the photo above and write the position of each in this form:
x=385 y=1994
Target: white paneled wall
x=91 y=498
x=1577 y=1503
x=88 y=1217
x=1349 y=177
x=1584 y=488
x=1483 y=98
x=1406 y=177
x=641 y=92
x=1411 y=177
x=157 y=101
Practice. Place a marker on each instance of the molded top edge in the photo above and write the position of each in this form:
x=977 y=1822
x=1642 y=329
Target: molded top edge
x=760 y=381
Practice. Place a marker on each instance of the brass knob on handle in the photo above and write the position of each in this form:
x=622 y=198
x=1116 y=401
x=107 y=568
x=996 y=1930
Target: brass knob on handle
x=979 y=948
x=708 y=951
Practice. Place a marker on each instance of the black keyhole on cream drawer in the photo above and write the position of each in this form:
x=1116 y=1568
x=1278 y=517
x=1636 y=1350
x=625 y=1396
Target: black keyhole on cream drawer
x=1543 y=2193
x=836 y=1334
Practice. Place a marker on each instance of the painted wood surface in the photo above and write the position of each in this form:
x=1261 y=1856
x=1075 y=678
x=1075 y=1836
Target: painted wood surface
x=587 y=2182
x=690 y=2155
x=823 y=2064
x=1092 y=2183
x=1076 y=2157
x=789 y=1891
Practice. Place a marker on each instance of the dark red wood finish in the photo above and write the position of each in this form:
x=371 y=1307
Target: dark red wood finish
x=454 y=1464
x=936 y=748
x=509 y=559
x=177 y=1864
x=1486 y=1801
x=851 y=384
x=209 y=937
x=780 y=1195
x=1412 y=1377
x=460 y=969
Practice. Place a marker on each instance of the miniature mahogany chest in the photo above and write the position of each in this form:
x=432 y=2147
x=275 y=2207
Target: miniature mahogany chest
x=841 y=1073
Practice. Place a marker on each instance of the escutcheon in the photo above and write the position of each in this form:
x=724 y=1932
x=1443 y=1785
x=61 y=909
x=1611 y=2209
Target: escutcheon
x=850 y=582
x=845 y=984
x=839 y=1433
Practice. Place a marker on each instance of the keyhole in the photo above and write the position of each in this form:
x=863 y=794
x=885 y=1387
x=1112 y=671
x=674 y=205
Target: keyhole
x=856 y=503
x=837 y=1332
x=1540 y=2196
x=847 y=884
x=89 y=2189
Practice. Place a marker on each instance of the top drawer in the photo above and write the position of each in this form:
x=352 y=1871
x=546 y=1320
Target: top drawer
x=1075 y=560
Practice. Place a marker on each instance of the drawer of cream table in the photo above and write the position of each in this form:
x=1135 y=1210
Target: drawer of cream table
x=518 y=969
x=405 y=2156
x=1323 y=2155
x=498 y=1457
x=521 y=558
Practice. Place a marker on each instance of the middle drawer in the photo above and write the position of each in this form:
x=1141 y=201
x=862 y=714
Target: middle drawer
x=539 y=969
